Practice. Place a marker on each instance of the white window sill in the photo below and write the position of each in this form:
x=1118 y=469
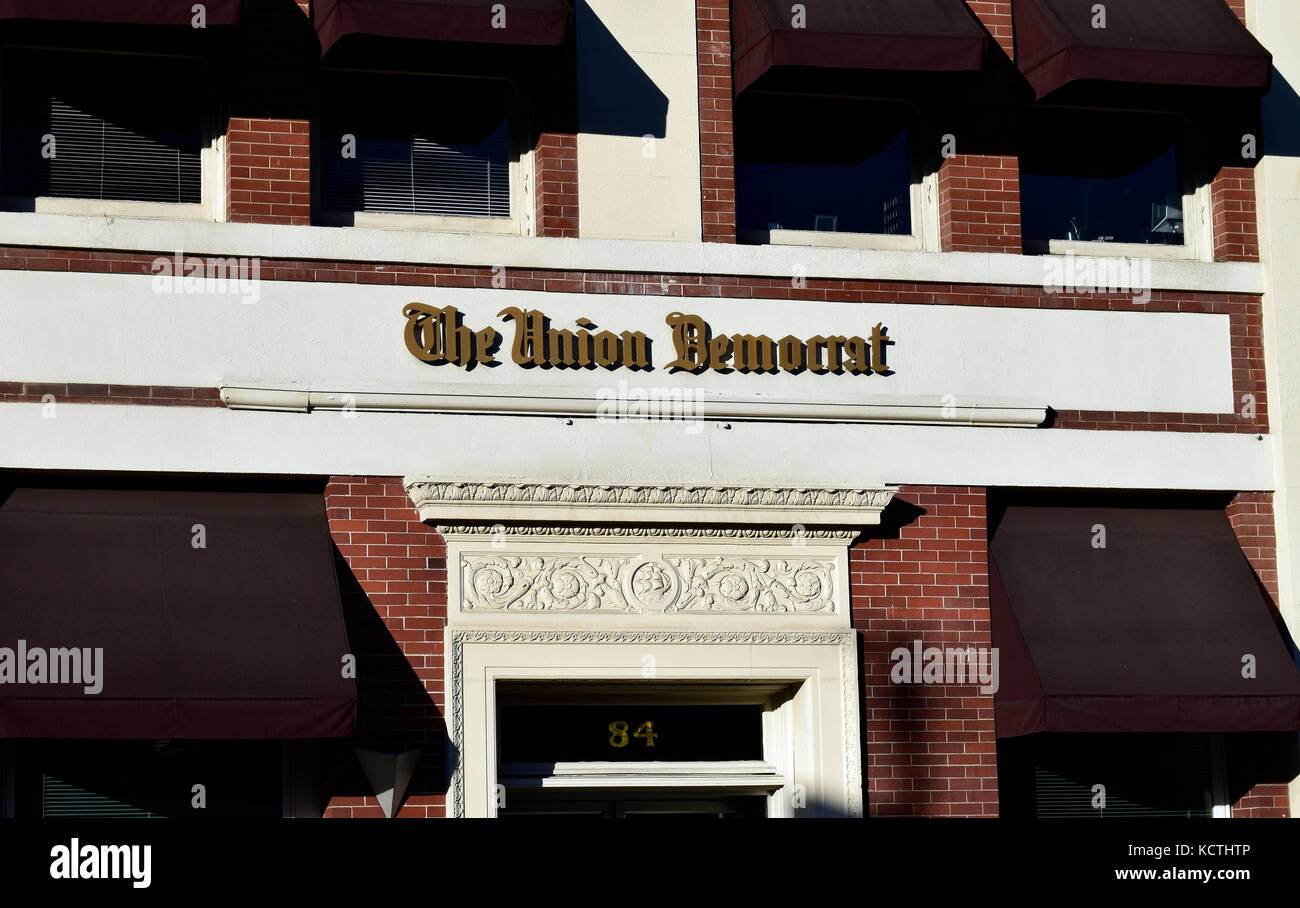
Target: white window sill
x=1181 y=252
x=385 y=220
x=25 y=228
x=103 y=208
x=835 y=240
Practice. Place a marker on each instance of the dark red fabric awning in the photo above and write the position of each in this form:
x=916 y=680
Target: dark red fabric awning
x=1144 y=635
x=1189 y=42
x=136 y=12
x=525 y=21
x=930 y=35
x=241 y=637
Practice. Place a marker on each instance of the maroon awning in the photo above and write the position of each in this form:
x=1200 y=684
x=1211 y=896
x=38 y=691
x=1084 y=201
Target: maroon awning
x=931 y=35
x=524 y=21
x=1190 y=42
x=136 y=12
x=217 y=613
x=1147 y=634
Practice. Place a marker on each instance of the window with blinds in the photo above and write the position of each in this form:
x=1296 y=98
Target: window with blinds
x=148 y=778
x=103 y=126
x=1141 y=775
x=416 y=145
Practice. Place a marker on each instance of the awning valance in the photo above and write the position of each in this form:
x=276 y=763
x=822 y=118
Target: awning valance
x=482 y=21
x=928 y=35
x=1158 y=630
x=199 y=614
x=1190 y=42
x=136 y=12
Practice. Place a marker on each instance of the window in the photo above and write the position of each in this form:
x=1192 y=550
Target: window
x=1106 y=177
x=148 y=778
x=628 y=749
x=824 y=171
x=115 y=130
x=428 y=146
x=1141 y=775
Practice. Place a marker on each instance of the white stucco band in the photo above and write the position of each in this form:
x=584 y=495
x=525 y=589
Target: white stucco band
x=535 y=449
x=366 y=244
x=350 y=339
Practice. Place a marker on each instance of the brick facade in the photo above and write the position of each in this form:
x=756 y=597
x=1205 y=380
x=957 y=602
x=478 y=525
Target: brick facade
x=930 y=750
x=268 y=133
x=717 y=146
x=979 y=203
x=1233 y=215
x=393 y=578
x=995 y=16
x=556 y=185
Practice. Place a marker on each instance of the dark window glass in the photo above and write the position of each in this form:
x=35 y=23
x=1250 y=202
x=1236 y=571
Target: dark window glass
x=810 y=163
x=1144 y=775
x=103 y=126
x=423 y=145
x=1107 y=177
x=631 y=733
x=148 y=778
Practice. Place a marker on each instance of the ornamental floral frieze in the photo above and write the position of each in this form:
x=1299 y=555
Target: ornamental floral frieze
x=647 y=584
x=723 y=584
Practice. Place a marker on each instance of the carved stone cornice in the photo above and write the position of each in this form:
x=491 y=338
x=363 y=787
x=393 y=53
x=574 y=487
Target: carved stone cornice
x=477 y=504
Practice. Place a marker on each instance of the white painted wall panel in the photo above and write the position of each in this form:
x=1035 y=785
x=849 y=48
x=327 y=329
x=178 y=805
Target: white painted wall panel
x=343 y=337
x=505 y=448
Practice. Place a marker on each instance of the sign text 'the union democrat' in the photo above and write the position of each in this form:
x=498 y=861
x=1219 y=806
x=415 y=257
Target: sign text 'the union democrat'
x=439 y=336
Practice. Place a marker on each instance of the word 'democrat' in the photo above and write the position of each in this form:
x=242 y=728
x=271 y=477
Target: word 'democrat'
x=439 y=336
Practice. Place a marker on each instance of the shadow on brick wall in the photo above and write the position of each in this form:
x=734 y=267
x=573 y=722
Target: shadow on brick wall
x=394 y=709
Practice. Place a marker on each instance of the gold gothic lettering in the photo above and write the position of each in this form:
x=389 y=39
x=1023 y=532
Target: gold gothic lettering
x=438 y=336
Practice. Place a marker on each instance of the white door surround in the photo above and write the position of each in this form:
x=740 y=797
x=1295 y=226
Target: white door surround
x=679 y=584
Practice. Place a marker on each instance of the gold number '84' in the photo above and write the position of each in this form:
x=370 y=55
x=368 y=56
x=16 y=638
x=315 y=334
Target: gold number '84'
x=619 y=737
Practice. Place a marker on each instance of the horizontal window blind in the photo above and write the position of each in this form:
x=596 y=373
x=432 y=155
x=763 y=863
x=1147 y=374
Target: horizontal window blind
x=446 y=158
x=103 y=127
x=71 y=778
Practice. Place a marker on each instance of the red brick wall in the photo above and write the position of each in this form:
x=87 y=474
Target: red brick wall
x=268 y=171
x=996 y=18
x=1238 y=7
x=268 y=145
x=393 y=577
x=979 y=203
x=923 y=575
x=1251 y=516
x=556 y=185
x=717 y=158
x=1268 y=800
x=979 y=194
x=1232 y=206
